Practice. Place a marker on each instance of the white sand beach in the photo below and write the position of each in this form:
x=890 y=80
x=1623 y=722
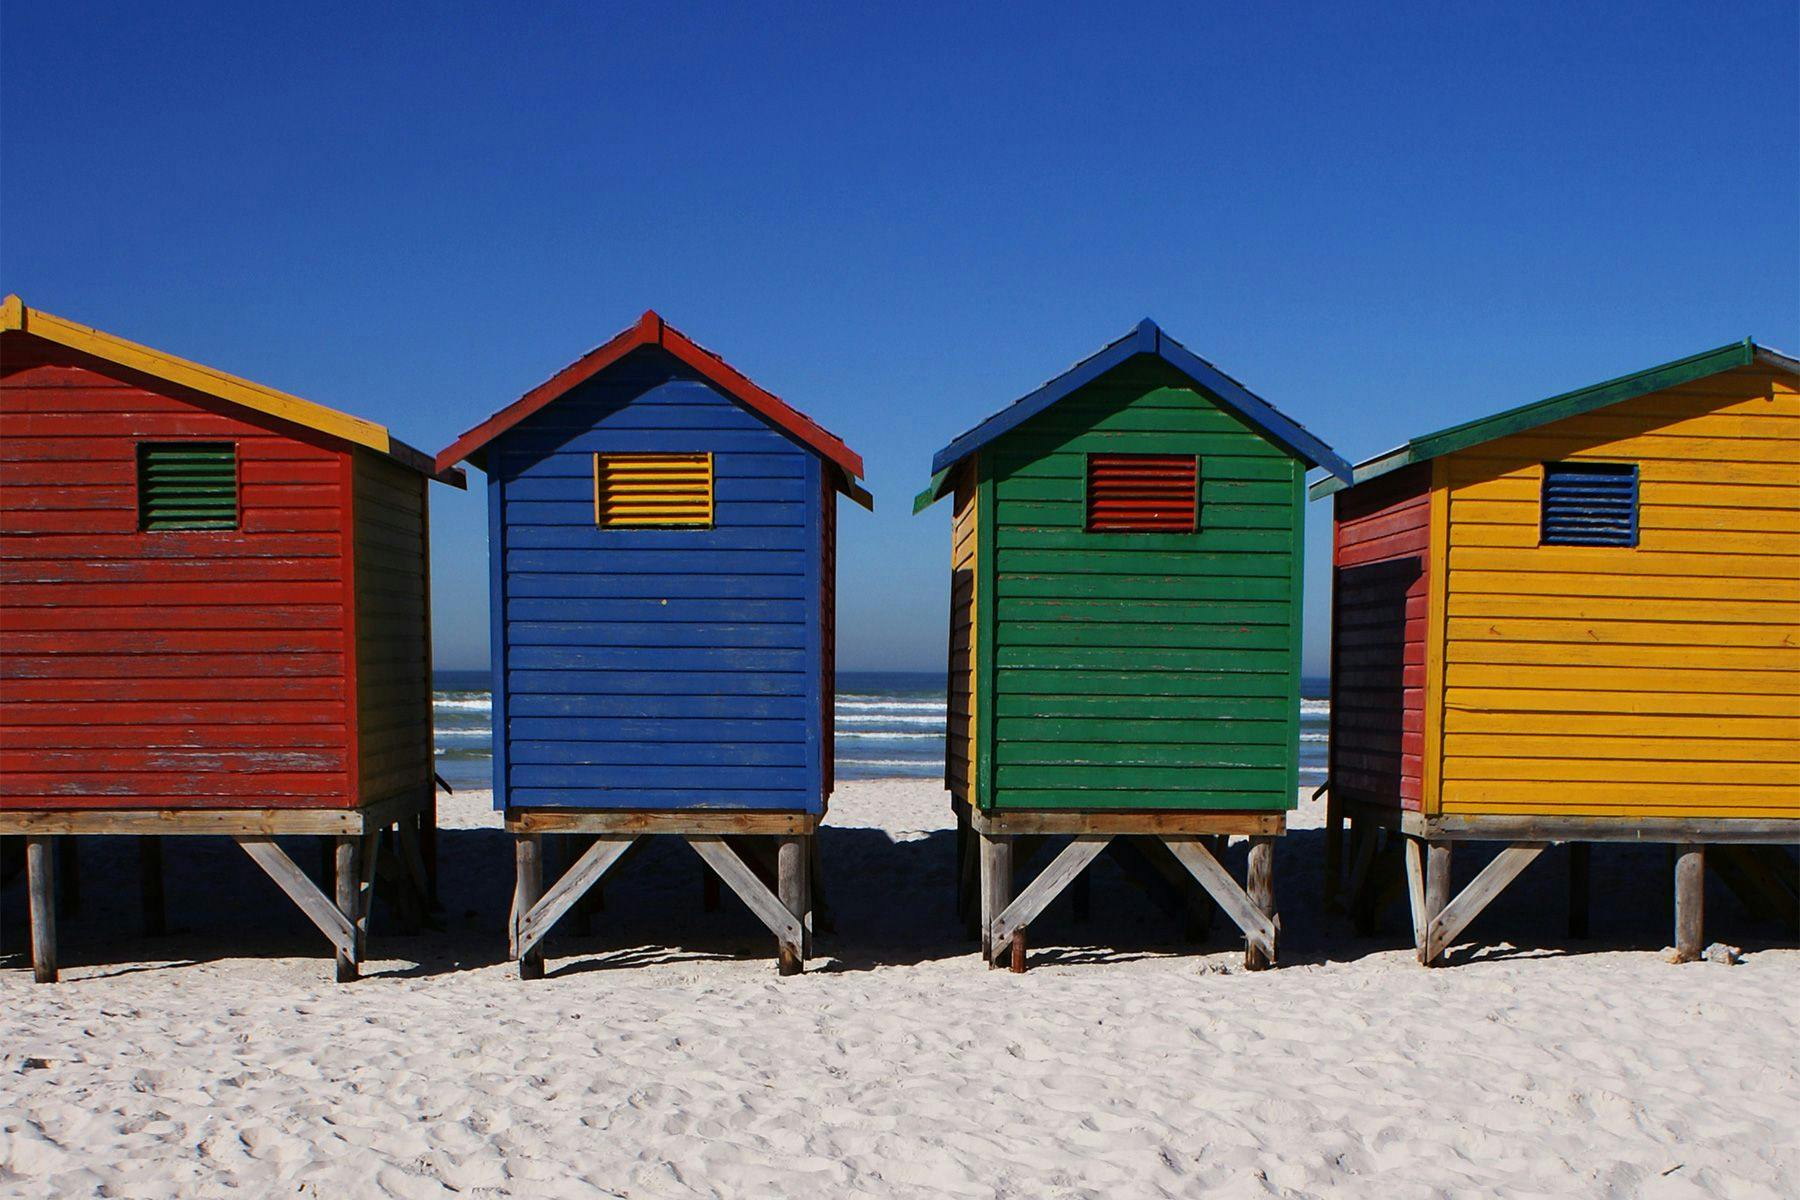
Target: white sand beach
x=663 y=1057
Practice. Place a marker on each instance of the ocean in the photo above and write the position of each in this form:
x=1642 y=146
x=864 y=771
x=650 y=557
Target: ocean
x=890 y=724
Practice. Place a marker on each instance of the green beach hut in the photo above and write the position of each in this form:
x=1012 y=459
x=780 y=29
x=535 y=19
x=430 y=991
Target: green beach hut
x=1124 y=660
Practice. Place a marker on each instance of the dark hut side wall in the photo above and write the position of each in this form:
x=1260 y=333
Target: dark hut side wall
x=1379 y=597
x=1141 y=670
x=201 y=669
x=393 y=651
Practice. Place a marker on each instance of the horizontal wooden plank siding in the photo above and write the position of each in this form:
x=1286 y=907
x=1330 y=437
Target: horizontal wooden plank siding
x=1380 y=565
x=1655 y=680
x=393 y=652
x=960 y=739
x=168 y=668
x=1142 y=670
x=650 y=668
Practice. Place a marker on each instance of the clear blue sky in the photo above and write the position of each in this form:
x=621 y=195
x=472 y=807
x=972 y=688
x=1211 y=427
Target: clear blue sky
x=1384 y=219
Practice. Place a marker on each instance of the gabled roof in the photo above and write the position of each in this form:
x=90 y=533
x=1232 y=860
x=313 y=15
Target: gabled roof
x=1147 y=338
x=652 y=330
x=1556 y=408
x=17 y=316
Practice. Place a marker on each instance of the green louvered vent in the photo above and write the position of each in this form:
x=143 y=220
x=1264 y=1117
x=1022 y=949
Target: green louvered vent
x=187 y=485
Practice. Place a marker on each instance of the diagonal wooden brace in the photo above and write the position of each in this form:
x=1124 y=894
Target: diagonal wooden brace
x=751 y=890
x=302 y=891
x=1478 y=895
x=1260 y=929
x=1046 y=887
x=575 y=883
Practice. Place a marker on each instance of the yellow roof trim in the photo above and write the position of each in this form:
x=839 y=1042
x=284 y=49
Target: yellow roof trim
x=15 y=315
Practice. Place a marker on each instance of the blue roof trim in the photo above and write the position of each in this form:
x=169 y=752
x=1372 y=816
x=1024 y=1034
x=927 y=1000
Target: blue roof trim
x=1148 y=338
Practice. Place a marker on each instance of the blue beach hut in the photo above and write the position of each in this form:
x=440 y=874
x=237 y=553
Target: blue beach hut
x=662 y=547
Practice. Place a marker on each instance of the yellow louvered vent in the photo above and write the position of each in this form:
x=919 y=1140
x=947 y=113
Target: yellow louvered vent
x=652 y=489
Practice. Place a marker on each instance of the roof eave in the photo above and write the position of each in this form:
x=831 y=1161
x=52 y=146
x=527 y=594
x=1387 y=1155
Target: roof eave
x=1148 y=338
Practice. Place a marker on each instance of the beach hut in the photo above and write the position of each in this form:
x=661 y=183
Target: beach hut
x=661 y=537
x=213 y=620
x=1125 y=630
x=1575 y=622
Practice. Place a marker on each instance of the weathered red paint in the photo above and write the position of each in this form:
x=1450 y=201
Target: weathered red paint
x=202 y=669
x=1379 y=603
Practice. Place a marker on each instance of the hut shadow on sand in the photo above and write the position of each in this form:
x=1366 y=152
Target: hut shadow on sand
x=891 y=905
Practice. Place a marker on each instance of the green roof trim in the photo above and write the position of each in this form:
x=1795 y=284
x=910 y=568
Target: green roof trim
x=933 y=490
x=1556 y=408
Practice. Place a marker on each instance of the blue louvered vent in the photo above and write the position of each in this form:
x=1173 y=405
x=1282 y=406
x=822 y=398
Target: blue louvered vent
x=1590 y=504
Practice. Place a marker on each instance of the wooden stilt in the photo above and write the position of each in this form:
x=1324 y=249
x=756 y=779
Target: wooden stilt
x=1481 y=891
x=791 y=887
x=349 y=901
x=1049 y=883
x=150 y=885
x=1578 y=889
x=1334 y=848
x=528 y=886
x=40 y=879
x=1259 y=879
x=1017 y=942
x=1437 y=894
x=68 y=876
x=1690 y=902
x=531 y=925
x=996 y=888
x=758 y=896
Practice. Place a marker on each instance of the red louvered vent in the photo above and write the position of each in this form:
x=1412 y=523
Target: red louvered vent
x=1142 y=493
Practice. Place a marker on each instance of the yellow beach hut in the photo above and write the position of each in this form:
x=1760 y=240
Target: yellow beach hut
x=1576 y=621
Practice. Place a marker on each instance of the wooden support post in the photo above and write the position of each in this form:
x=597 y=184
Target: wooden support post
x=1479 y=894
x=68 y=876
x=150 y=884
x=1578 y=889
x=1259 y=879
x=1037 y=895
x=790 y=875
x=996 y=888
x=1690 y=901
x=546 y=909
x=349 y=901
x=1017 y=942
x=1437 y=895
x=528 y=886
x=768 y=905
x=40 y=879
x=1334 y=847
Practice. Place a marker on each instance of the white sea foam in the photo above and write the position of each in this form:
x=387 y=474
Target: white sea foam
x=886 y=735
x=855 y=701
x=883 y=719
x=460 y=703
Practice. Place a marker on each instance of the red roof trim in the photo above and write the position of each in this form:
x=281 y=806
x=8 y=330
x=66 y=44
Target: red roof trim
x=652 y=330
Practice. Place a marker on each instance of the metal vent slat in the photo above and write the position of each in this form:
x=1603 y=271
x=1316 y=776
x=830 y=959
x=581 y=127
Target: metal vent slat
x=187 y=485
x=1146 y=493
x=1590 y=504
